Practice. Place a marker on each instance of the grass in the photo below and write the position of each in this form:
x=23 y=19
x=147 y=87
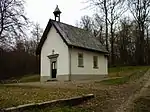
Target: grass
x=116 y=81
x=25 y=78
x=124 y=71
x=18 y=95
x=60 y=109
x=125 y=79
x=142 y=104
x=30 y=78
x=113 y=72
x=126 y=68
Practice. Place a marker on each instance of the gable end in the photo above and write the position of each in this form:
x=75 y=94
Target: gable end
x=44 y=36
x=71 y=38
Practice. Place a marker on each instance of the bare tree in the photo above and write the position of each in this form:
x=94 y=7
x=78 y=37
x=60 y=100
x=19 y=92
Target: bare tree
x=140 y=10
x=32 y=42
x=147 y=56
x=36 y=33
x=86 y=23
x=112 y=11
x=115 y=11
x=99 y=28
x=125 y=40
x=103 y=5
x=12 y=20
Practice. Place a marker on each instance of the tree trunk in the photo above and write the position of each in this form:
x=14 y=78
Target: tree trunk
x=106 y=24
x=141 y=45
x=112 y=45
x=147 y=39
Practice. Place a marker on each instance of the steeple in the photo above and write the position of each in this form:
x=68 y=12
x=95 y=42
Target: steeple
x=57 y=13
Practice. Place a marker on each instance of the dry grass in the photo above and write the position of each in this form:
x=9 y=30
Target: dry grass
x=142 y=104
x=17 y=95
x=60 y=109
x=30 y=78
x=106 y=99
x=129 y=77
x=125 y=71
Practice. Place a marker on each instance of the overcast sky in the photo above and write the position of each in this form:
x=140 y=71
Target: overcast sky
x=42 y=10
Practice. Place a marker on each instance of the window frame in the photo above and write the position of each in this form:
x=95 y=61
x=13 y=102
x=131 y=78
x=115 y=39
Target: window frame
x=95 y=59
x=80 y=60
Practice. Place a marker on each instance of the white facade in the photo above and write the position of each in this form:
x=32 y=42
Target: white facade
x=67 y=61
x=54 y=42
x=88 y=71
x=88 y=63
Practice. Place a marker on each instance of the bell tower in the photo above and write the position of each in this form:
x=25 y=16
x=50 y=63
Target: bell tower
x=57 y=13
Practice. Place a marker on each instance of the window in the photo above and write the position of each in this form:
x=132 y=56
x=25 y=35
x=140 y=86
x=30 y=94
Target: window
x=80 y=60
x=95 y=61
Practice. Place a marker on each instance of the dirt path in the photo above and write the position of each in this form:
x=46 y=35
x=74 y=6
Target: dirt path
x=89 y=84
x=144 y=82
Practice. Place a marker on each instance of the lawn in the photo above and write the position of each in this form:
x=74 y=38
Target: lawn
x=24 y=78
x=106 y=98
x=60 y=109
x=142 y=104
x=126 y=68
x=122 y=75
x=17 y=95
x=125 y=79
x=112 y=72
x=30 y=78
x=124 y=71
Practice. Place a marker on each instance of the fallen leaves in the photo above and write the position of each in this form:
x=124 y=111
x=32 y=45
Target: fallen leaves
x=17 y=95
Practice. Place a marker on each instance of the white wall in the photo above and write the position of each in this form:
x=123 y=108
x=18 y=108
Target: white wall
x=88 y=63
x=54 y=41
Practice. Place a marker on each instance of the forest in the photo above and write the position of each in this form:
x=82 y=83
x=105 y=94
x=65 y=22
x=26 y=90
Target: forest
x=120 y=25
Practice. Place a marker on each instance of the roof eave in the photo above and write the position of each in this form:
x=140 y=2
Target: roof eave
x=44 y=37
x=88 y=49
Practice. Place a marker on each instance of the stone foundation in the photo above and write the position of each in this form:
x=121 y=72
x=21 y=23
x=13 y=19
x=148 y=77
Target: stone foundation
x=88 y=77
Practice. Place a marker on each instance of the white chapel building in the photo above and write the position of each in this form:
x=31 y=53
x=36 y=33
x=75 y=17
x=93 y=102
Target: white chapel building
x=70 y=53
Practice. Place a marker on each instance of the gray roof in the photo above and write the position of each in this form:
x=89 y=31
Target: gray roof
x=73 y=36
x=79 y=37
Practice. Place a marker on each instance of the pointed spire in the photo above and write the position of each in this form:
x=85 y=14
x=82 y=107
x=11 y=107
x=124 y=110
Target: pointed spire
x=57 y=10
x=57 y=13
